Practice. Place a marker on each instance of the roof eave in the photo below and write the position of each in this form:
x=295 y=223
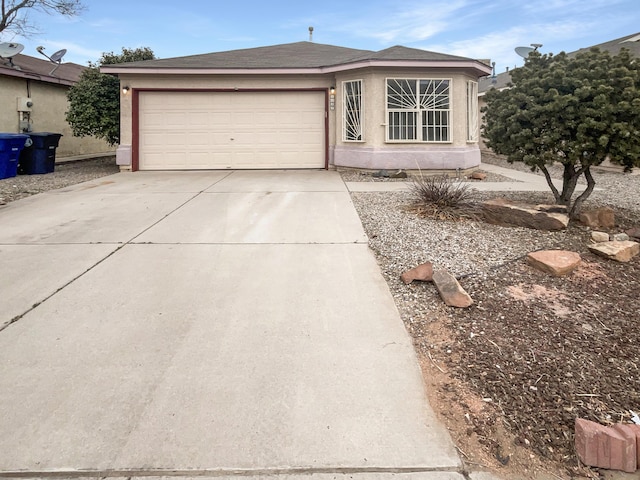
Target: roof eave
x=36 y=76
x=480 y=68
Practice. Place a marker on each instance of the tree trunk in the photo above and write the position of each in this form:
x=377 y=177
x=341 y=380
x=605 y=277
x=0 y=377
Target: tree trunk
x=569 y=181
x=577 y=205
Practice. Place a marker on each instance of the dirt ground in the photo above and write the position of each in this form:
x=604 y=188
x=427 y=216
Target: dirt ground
x=509 y=375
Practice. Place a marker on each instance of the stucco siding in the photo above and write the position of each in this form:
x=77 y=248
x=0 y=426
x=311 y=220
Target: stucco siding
x=47 y=115
x=399 y=157
x=375 y=152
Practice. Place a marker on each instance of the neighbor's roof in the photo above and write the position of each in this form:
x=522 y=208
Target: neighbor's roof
x=630 y=42
x=36 y=69
x=299 y=57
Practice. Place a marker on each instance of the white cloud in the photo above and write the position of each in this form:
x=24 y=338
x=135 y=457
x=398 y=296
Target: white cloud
x=410 y=25
x=499 y=45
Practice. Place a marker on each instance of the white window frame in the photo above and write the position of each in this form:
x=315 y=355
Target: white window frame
x=352 y=119
x=473 y=134
x=414 y=118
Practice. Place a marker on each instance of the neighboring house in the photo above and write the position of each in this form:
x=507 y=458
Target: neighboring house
x=34 y=97
x=300 y=105
x=502 y=80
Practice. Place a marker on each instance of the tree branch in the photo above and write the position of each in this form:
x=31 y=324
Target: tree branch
x=14 y=13
x=553 y=188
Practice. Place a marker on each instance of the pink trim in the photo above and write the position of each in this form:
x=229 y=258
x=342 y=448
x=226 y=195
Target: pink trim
x=479 y=66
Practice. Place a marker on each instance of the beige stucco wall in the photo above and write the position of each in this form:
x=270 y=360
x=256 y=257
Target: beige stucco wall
x=47 y=115
x=374 y=152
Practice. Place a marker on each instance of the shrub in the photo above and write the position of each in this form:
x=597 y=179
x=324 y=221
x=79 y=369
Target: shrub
x=441 y=197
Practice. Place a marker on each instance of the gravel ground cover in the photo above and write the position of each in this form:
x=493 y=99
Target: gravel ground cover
x=509 y=375
x=65 y=174
x=357 y=176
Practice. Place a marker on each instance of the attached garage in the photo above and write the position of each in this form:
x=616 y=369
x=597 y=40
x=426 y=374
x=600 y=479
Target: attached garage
x=182 y=130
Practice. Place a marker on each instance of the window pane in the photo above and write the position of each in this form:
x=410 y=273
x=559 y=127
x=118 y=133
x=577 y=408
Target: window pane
x=401 y=94
x=402 y=126
x=435 y=126
x=352 y=110
x=472 y=111
x=434 y=94
x=418 y=110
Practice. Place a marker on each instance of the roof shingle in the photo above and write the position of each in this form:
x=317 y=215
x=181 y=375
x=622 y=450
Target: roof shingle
x=291 y=55
x=34 y=68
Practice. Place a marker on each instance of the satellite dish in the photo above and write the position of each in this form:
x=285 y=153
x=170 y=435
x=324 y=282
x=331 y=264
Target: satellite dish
x=55 y=58
x=524 y=51
x=9 y=50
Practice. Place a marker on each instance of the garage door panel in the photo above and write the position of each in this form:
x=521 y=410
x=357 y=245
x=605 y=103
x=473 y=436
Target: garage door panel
x=215 y=130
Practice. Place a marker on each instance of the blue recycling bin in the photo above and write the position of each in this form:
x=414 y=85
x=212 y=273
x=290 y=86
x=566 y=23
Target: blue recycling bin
x=11 y=144
x=40 y=157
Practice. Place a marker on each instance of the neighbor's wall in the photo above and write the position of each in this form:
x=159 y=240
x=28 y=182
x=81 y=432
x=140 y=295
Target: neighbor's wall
x=374 y=152
x=47 y=115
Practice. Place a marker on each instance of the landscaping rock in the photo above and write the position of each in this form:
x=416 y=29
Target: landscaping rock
x=601 y=217
x=423 y=272
x=398 y=174
x=380 y=174
x=634 y=233
x=478 y=176
x=450 y=290
x=552 y=208
x=620 y=237
x=599 y=237
x=555 y=262
x=619 y=251
x=500 y=211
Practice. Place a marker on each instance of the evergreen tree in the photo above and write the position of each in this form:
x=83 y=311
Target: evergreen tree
x=576 y=111
x=94 y=102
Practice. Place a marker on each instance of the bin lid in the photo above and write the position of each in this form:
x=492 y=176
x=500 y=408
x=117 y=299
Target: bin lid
x=44 y=134
x=8 y=136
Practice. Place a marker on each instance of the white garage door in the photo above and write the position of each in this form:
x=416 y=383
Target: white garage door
x=219 y=130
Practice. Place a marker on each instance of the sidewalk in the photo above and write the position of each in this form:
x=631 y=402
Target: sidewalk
x=522 y=182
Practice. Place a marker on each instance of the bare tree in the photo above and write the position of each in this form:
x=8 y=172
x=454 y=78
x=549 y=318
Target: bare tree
x=14 y=14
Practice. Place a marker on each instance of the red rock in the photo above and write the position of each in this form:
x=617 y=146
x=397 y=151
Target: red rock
x=599 y=237
x=500 y=211
x=423 y=272
x=450 y=290
x=619 y=251
x=603 y=217
x=555 y=262
x=634 y=233
x=627 y=454
x=478 y=176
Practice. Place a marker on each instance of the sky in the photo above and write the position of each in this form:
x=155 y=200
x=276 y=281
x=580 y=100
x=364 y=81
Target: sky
x=470 y=28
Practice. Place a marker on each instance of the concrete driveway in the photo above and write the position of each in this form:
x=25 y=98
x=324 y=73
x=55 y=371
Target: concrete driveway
x=218 y=323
